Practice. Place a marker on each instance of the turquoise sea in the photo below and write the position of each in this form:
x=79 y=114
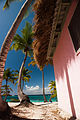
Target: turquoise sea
x=33 y=98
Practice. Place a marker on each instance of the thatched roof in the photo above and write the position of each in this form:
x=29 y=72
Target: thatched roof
x=49 y=16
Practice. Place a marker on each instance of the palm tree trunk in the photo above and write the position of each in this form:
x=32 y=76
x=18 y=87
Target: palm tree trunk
x=6 y=45
x=22 y=85
x=51 y=97
x=21 y=95
x=43 y=86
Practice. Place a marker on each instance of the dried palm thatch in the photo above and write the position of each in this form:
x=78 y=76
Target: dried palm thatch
x=44 y=10
x=49 y=19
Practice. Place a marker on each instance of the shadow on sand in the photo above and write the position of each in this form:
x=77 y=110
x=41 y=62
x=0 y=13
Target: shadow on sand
x=13 y=117
x=72 y=118
x=8 y=115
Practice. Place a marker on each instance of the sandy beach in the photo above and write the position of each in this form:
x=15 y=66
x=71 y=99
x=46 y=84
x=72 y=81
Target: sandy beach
x=40 y=111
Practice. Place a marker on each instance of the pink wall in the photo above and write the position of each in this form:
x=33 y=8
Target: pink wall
x=67 y=70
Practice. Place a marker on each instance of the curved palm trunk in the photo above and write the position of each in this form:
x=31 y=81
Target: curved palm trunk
x=21 y=95
x=43 y=87
x=22 y=85
x=6 y=46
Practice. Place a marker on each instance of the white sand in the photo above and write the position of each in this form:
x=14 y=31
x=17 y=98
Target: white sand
x=43 y=111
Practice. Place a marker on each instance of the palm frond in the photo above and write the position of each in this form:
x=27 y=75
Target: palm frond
x=8 y=2
x=24 y=42
x=52 y=88
x=6 y=5
x=33 y=63
x=26 y=79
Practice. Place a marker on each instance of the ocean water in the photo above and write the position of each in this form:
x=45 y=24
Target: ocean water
x=33 y=98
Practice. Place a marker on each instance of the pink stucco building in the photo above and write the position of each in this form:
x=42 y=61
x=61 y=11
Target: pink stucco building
x=66 y=60
x=58 y=42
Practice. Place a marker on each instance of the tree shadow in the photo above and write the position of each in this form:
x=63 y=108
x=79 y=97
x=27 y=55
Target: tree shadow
x=72 y=118
x=70 y=94
x=64 y=55
x=9 y=115
x=63 y=58
x=14 y=117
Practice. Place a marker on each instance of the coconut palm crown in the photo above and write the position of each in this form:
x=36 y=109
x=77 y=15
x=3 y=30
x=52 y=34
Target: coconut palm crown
x=8 y=77
x=52 y=88
x=25 y=76
x=23 y=42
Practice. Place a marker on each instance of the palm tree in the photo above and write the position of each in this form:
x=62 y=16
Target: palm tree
x=9 y=77
x=25 y=76
x=6 y=46
x=23 y=43
x=3 y=90
x=52 y=87
x=33 y=63
x=43 y=86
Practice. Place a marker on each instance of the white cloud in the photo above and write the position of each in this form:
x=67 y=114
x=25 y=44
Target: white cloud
x=35 y=90
x=32 y=88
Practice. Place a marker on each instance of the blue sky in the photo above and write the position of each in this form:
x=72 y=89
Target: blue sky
x=14 y=59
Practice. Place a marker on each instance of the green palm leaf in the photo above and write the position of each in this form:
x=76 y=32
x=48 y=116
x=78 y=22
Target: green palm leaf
x=24 y=42
x=7 y=3
x=52 y=88
x=25 y=75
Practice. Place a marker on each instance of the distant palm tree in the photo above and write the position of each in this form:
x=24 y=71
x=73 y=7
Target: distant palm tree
x=25 y=76
x=33 y=63
x=43 y=86
x=8 y=77
x=52 y=88
x=23 y=43
x=6 y=45
x=3 y=90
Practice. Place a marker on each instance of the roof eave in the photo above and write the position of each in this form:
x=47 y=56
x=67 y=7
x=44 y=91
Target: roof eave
x=57 y=21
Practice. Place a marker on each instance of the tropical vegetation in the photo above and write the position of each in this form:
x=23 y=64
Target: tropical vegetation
x=52 y=88
x=33 y=63
x=24 y=43
x=6 y=90
x=6 y=46
x=8 y=77
x=25 y=77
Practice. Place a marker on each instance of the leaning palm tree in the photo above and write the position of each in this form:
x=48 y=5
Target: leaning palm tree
x=8 y=77
x=6 y=45
x=33 y=63
x=23 y=43
x=25 y=76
